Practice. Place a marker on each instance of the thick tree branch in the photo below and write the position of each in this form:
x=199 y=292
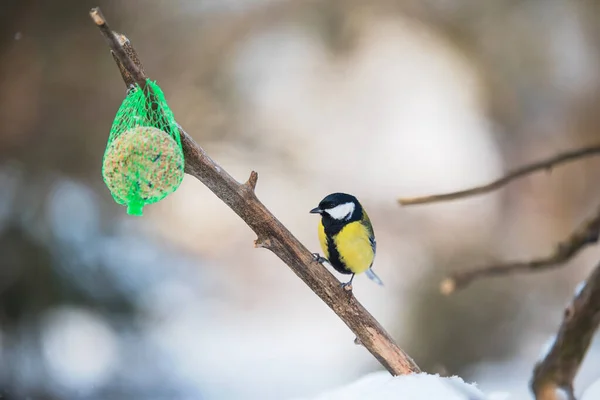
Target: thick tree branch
x=271 y=233
x=547 y=164
x=585 y=235
x=561 y=363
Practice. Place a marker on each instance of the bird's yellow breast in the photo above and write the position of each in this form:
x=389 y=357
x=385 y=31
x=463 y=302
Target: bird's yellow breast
x=354 y=247
x=323 y=239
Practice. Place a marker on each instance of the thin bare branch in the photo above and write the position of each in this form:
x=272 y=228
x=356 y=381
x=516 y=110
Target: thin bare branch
x=116 y=43
x=560 y=365
x=547 y=164
x=271 y=233
x=585 y=235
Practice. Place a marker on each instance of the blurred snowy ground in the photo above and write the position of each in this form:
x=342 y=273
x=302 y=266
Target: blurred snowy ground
x=382 y=386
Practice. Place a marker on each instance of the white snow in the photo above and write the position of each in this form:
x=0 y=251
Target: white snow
x=592 y=392
x=561 y=394
x=382 y=386
x=547 y=346
x=579 y=288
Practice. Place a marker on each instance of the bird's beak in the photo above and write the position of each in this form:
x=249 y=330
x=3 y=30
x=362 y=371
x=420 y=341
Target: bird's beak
x=316 y=210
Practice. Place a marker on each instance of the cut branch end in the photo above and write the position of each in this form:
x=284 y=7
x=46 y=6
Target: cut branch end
x=262 y=243
x=97 y=16
x=448 y=286
x=252 y=180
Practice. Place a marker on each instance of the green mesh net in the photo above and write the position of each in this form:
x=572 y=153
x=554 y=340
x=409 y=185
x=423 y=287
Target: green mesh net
x=143 y=162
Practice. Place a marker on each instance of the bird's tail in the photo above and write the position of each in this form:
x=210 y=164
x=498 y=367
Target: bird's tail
x=371 y=275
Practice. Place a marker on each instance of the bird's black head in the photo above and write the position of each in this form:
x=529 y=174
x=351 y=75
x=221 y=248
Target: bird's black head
x=339 y=207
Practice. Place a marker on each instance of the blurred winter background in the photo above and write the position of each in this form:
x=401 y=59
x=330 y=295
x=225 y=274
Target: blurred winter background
x=381 y=99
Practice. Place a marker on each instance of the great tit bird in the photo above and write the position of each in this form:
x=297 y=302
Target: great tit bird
x=346 y=236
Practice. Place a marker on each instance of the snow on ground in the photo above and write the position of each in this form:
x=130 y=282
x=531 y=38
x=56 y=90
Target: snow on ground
x=382 y=386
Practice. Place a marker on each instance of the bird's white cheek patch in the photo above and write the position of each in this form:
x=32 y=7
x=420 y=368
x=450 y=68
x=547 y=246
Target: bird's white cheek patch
x=343 y=211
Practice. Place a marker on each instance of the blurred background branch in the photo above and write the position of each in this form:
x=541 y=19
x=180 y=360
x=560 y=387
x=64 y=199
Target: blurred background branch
x=583 y=236
x=544 y=165
x=559 y=366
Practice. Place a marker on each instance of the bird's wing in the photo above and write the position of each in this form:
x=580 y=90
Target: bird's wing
x=367 y=222
x=373 y=243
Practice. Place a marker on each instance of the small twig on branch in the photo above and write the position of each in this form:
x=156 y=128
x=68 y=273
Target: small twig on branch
x=271 y=233
x=585 y=235
x=515 y=174
x=560 y=365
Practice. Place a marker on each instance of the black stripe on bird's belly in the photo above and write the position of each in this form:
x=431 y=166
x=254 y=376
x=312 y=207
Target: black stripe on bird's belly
x=334 y=258
x=332 y=227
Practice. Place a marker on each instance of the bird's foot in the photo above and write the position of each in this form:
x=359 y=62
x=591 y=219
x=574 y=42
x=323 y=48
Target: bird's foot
x=347 y=286
x=318 y=258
